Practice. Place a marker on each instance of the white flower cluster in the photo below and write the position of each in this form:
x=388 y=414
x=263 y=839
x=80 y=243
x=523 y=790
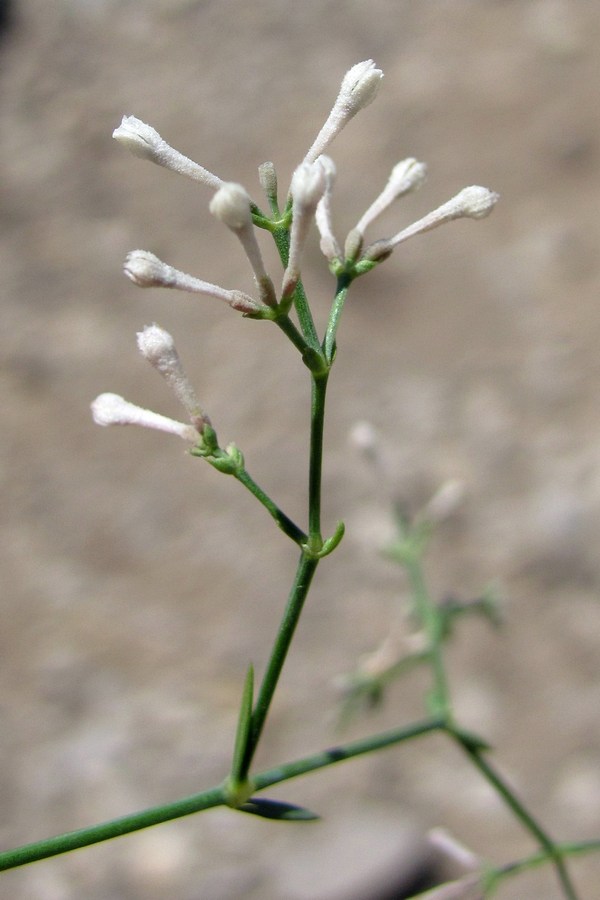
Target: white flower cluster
x=309 y=199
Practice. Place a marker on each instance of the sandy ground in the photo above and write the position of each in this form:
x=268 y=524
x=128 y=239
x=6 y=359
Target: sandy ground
x=138 y=583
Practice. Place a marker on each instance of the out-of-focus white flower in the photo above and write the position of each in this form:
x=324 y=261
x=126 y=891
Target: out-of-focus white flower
x=231 y=205
x=359 y=88
x=158 y=347
x=454 y=849
x=144 y=141
x=147 y=270
x=446 y=501
x=473 y=202
x=111 y=409
x=324 y=217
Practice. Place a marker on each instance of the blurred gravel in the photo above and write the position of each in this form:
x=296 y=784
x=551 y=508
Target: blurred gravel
x=138 y=584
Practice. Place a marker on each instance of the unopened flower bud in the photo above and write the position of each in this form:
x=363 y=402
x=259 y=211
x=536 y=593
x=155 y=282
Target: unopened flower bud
x=473 y=202
x=231 y=204
x=147 y=270
x=308 y=184
x=307 y=187
x=111 y=409
x=144 y=141
x=359 y=87
x=268 y=180
x=330 y=247
x=406 y=176
x=158 y=347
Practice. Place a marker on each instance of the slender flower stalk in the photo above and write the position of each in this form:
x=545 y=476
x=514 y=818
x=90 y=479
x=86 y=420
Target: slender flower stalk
x=158 y=347
x=111 y=409
x=144 y=141
x=473 y=202
x=147 y=270
x=359 y=88
x=232 y=205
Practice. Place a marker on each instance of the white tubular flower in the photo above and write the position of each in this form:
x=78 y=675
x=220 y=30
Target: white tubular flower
x=323 y=216
x=473 y=202
x=110 y=409
x=231 y=205
x=158 y=347
x=406 y=176
x=359 y=87
x=147 y=270
x=307 y=187
x=144 y=141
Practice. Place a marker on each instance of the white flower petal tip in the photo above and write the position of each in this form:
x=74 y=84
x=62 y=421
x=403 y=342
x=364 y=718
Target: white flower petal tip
x=308 y=184
x=157 y=346
x=147 y=270
x=476 y=202
x=140 y=139
x=111 y=409
x=360 y=85
x=231 y=205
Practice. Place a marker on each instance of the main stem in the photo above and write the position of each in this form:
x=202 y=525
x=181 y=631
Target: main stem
x=307 y=565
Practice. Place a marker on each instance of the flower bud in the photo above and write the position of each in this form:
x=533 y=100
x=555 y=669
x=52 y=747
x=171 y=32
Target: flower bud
x=158 y=347
x=473 y=202
x=111 y=409
x=406 y=176
x=144 y=141
x=307 y=188
x=329 y=245
x=231 y=204
x=359 y=87
x=147 y=270
x=268 y=180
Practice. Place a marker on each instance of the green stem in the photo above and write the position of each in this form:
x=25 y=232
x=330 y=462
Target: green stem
x=307 y=566
x=281 y=236
x=84 y=837
x=283 y=521
x=290 y=330
x=337 y=307
x=317 y=419
x=304 y=574
x=495 y=876
x=551 y=850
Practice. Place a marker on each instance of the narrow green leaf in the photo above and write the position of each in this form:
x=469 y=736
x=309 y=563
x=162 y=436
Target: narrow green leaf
x=276 y=809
